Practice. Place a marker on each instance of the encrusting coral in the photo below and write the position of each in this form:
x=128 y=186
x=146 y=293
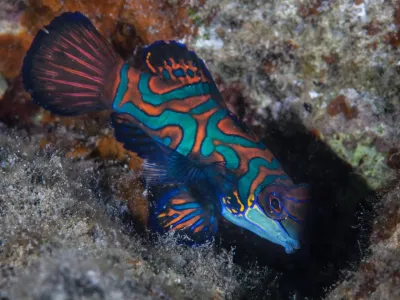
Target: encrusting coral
x=127 y=24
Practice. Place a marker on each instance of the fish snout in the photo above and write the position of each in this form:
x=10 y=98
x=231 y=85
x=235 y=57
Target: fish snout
x=291 y=245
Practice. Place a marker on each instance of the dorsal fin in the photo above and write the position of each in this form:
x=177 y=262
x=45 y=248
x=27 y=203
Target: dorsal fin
x=174 y=62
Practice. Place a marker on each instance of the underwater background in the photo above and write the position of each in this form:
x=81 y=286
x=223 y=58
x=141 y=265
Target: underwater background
x=318 y=80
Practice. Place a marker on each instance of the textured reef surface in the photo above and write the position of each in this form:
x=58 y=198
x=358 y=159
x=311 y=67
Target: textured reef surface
x=332 y=63
x=317 y=79
x=64 y=236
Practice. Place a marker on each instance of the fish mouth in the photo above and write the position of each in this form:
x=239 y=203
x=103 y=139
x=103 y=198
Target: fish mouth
x=273 y=230
x=257 y=222
x=290 y=245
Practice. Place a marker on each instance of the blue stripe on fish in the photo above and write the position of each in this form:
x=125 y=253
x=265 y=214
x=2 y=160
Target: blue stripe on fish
x=204 y=107
x=230 y=156
x=123 y=84
x=254 y=166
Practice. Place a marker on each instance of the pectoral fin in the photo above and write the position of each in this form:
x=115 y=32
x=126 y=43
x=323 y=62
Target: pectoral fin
x=177 y=210
x=164 y=165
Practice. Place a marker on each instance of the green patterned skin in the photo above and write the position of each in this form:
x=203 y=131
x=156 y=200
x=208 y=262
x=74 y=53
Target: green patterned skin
x=187 y=114
x=170 y=106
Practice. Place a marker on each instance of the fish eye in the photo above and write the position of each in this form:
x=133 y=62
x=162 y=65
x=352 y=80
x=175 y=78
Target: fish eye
x=275 y=203
x=273 y=206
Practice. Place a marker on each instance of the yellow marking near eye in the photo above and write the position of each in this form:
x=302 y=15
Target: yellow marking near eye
x=241 y=209
x=250 y=200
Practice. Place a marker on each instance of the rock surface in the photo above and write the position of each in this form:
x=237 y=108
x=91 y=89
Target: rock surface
x=378 y=276
x=332 y=63
x=65 y=236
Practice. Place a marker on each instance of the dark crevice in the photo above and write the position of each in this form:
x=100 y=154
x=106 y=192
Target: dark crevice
x=338 y=226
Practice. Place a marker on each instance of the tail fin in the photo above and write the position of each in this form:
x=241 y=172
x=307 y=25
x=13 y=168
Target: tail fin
x=70 y=68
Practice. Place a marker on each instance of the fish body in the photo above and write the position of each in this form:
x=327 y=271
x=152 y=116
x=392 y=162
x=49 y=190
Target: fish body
x=171 y=114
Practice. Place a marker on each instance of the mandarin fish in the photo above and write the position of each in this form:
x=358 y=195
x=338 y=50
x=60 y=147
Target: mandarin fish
x=172 y=115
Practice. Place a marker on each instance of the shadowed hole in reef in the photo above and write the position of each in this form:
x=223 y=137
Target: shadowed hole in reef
x=338 y=225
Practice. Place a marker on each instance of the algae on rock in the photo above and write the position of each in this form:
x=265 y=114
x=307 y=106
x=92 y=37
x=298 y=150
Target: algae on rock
x=62 y=235
x=287 y=54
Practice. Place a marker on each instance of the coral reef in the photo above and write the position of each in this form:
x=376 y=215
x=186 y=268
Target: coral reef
x=127 y=24
x=316 y=74
x=301 y=55
x=60 y=228
x=14 y=40
x=378 y=275
x=3 y=87
x=15 y=107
